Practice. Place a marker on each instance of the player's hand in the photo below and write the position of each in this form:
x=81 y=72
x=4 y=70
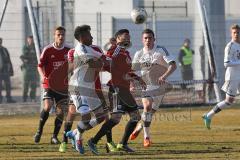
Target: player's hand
x=161 y=80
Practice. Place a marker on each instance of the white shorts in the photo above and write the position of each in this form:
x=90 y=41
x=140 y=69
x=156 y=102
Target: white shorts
x=84 y=104
x=231 y=88
x=154 y=93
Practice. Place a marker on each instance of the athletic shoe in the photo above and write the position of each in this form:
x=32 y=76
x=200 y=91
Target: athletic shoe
x=125 y=148
x=71 y=136
x=207 y=121
x=63 y=147
x=78 y=141
x=136 y=132
x=111 y=147
x=92 y=147
x=37 y=137
x=79 y=146
x=146 y=142
x=54 y=140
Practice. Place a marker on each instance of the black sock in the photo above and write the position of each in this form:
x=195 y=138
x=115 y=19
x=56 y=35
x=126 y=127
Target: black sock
x=109 y=136
x=57 y=126
x=67 y=127
x=128 y=130
x=43 y=118
x=106 y=127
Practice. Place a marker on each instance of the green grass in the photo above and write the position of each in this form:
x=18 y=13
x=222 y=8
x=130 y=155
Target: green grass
x=176 y=134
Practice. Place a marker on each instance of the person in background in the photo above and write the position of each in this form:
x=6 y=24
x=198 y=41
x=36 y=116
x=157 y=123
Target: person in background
x=29 y=69
x=185 y=59
x=6 y=71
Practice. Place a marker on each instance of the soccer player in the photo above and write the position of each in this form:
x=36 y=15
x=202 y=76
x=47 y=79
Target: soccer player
x=232 y=75
x=155 y=65
x=52 y=58
x=84 y=90
x=120 y=70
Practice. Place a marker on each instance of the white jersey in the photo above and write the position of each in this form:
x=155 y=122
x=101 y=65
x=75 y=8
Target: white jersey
x=144 y=60
x=232 y=61
x=83 y=75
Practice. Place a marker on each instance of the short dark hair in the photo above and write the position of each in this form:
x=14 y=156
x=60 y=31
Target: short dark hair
x=81 y=30
x=60 y=28
x=148 y=31
x=30 y=36
x=120 y=32
x=235 y=26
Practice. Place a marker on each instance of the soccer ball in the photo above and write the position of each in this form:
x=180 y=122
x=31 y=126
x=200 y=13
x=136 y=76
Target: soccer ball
x=139 y=15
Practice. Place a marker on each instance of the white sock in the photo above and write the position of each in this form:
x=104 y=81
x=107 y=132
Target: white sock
x=221 y=105
x=146 y=132
x=210 y=114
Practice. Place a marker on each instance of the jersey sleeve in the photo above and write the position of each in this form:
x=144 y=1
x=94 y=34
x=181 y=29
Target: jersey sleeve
x=71 y=55
x=162 y=51
x=43 y=58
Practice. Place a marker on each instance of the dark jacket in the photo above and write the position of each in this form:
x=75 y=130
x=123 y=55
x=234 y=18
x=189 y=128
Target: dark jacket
x=6 y=67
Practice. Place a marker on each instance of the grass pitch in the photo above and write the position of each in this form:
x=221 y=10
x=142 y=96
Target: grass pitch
x=176 y=134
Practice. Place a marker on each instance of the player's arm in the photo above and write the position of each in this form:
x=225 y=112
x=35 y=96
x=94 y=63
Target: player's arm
x=171 y=68
x=41 y=65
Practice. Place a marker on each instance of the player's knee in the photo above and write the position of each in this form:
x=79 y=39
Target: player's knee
x=60 y=115
x=72 y=109
x=116 y=117
x=147 y=116
x=135 y=116
x=82 y=125
x=100 y=118
x=229 y=100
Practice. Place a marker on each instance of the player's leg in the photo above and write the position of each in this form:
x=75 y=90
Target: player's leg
x=230 y=87
x=146 y=118
x=131 y=125
x=61 y=105
x=106 y=128
x=48 y=103
x=67 y=127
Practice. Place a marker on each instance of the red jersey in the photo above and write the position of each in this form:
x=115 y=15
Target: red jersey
x=51 y=59
x=120 y=67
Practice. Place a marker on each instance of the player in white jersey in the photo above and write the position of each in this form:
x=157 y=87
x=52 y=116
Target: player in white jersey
x=232 y=75
x=82 y=85
x=155 y=65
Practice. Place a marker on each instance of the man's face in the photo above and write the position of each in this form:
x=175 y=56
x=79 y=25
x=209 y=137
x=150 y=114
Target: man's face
x=187 y=43
x=235 y=34
x=59 y=36
x=87 y=39
x=125 y=37
x=148 y=40
x=30 y=40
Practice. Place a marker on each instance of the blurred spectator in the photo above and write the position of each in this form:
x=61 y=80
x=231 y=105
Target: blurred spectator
x=6 y=71
x=29 y=69
x=185 y=61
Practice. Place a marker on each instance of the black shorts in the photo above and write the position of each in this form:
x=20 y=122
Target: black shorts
x=126 y=101
x=58 y=98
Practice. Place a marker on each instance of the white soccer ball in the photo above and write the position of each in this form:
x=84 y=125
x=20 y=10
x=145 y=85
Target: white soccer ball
x=139 y=15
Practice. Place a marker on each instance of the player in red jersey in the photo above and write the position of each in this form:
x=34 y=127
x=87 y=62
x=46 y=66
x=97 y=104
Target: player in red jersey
x=120 y=70
x=53 y=72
